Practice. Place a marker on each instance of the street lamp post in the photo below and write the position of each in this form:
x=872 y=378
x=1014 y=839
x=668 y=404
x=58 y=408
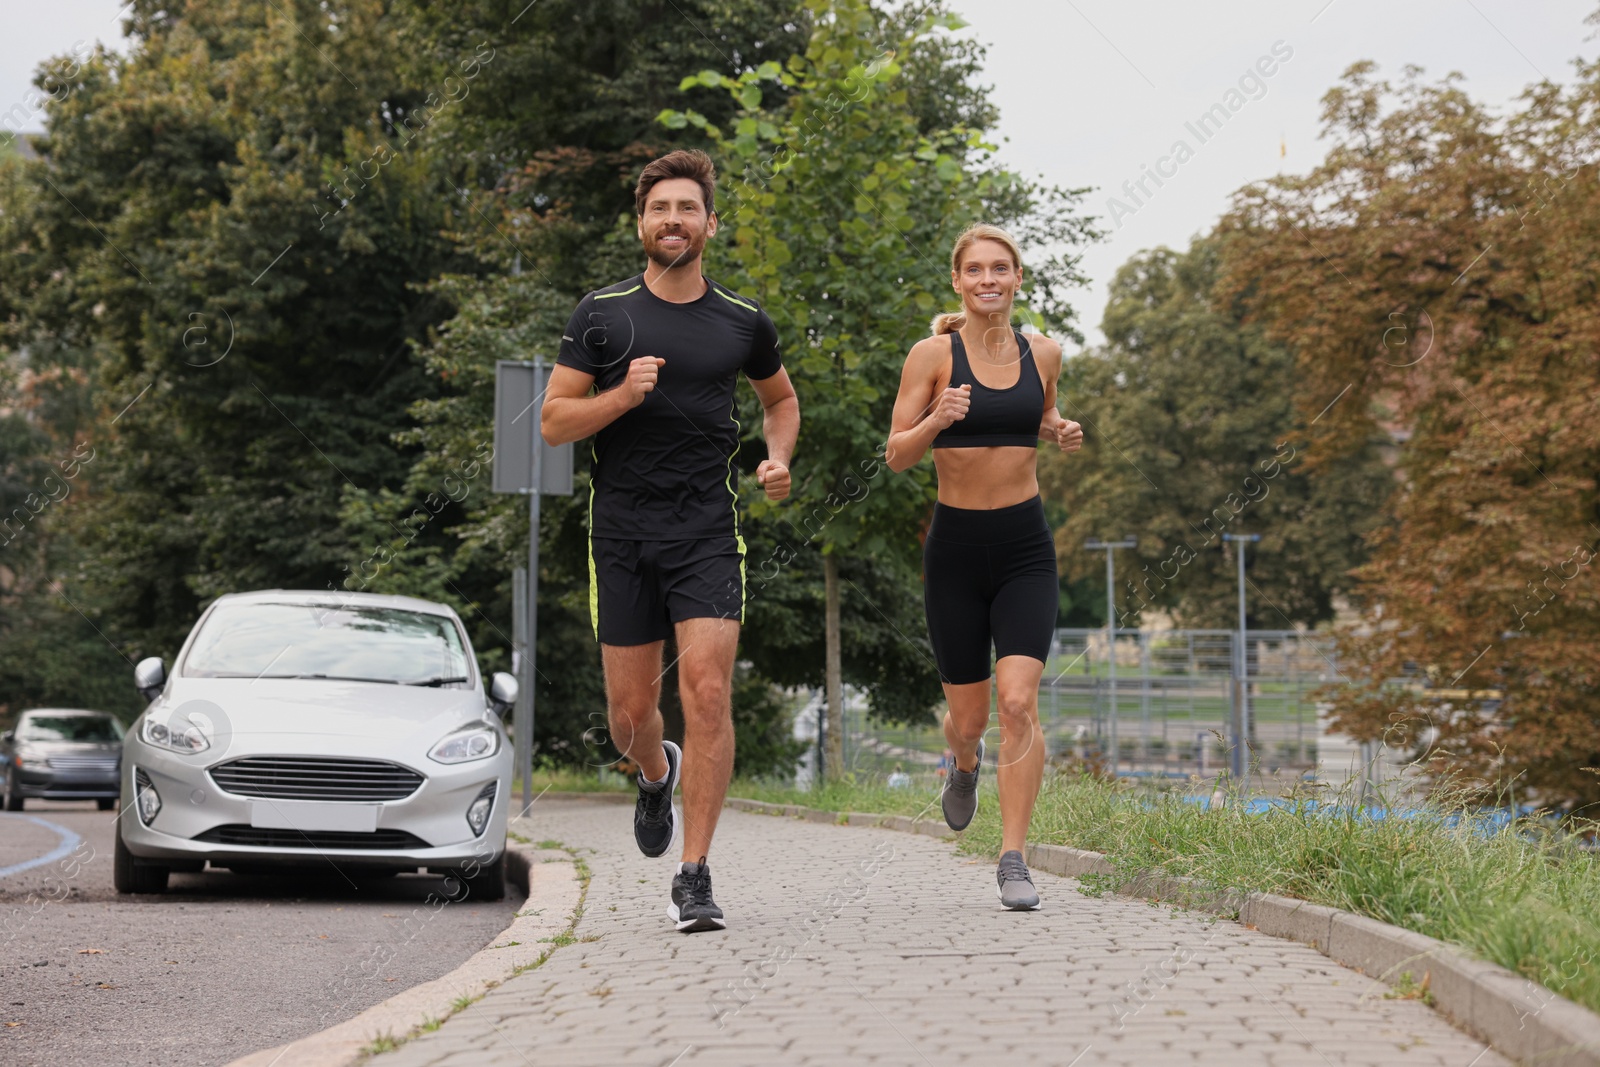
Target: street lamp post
x=1237 y=760
x=1094 y=544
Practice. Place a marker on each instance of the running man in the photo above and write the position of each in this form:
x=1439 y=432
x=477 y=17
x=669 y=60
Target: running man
x=981 y=395
x=649 y=366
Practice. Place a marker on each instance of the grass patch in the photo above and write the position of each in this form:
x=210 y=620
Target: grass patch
x=381 y=1043
x=1406 y=987
x=853 y=793
x=569 y=935
x=1523 y=895
x=574 y=780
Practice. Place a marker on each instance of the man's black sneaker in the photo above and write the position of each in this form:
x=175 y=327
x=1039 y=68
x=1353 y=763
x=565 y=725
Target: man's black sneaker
x=692 y=907
x=960 y=796
x=655 y=824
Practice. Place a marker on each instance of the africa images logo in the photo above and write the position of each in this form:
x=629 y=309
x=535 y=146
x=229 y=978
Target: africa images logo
x=1252 y=85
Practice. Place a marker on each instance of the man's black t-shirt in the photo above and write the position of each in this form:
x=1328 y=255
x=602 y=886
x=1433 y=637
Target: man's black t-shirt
x=664 y=471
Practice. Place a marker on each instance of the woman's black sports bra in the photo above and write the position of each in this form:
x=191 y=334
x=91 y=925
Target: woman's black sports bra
x=1008 y=416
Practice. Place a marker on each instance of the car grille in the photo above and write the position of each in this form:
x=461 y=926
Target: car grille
x=104 y=765
x=288 y=778
x=87 y=786
x=262 y=837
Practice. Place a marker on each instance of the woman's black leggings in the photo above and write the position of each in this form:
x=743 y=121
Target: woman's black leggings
x=989 y=575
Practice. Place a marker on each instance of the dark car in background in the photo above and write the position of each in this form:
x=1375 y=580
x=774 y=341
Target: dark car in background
x=61 y=754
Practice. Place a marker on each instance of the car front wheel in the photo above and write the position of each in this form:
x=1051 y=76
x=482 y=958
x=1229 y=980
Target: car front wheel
x=12 y=801
x=486 y=882
x=131 y=874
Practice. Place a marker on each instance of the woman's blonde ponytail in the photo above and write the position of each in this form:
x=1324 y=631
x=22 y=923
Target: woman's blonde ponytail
x=948 y=322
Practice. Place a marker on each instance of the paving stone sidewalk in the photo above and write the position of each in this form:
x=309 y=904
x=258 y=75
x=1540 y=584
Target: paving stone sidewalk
x=855 y=945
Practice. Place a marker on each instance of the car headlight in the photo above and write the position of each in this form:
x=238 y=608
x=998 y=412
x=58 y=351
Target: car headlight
x=178 y=737
x=478 y=741
x=33 y=763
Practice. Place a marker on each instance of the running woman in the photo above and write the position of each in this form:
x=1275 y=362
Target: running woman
x=981 y=395
x=649 y=366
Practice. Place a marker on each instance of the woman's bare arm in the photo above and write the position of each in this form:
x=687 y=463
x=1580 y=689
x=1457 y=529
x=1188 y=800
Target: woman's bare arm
x=922 y=410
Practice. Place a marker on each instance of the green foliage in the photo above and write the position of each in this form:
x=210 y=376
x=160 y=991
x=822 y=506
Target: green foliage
x=468 y=539
x=840 y=199
x=243 y=352
x=1191 y=433
x=271 y=255
x=763 y=726
x=562 y=150
x=884 y=643
x=1460 y=241
x=341 y=442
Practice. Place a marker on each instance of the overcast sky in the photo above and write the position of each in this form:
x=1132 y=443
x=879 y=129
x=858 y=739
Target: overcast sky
x=1091 y=92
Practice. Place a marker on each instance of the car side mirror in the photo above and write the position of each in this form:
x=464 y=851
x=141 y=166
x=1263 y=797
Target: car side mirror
x=502 y=693
x=150 y=676
x=8 y=736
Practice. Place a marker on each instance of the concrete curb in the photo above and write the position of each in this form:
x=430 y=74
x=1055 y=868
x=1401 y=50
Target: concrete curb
x=607 y=796
x=1521 y=1019
x=549 y=878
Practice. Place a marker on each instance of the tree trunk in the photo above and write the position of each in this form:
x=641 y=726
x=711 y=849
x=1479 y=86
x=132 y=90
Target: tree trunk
x=834 y=681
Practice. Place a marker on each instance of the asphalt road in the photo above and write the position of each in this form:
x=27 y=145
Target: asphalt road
x=220 y=966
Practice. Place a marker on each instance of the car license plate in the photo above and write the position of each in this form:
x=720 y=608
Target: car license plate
x=312 y=815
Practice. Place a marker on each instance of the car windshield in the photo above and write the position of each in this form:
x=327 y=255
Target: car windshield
x=69 y=728
x=364 y=644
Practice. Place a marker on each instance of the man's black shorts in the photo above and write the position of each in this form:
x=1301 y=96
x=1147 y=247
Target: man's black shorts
x=638 y=589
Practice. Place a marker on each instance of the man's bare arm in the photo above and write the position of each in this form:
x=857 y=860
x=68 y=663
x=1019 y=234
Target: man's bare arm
x=570 y=413
x=780 y=426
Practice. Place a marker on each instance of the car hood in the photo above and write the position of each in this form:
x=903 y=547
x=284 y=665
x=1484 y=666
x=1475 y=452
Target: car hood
x=325 y=708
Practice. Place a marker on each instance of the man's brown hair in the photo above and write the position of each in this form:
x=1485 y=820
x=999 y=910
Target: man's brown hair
x=688 y=163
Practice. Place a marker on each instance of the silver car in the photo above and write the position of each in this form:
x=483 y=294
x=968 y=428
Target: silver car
x=61 y=754
x=318 y=728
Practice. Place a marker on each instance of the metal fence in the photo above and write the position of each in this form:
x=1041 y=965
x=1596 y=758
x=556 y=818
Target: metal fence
x=1167 y=709
x=1167 y=705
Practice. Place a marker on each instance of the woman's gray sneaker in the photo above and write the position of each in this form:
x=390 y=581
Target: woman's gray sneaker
x=960 y=796
x=655 y=823
x=1015 y=883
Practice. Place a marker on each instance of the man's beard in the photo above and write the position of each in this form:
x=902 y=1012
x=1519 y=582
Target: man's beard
x=662 y=258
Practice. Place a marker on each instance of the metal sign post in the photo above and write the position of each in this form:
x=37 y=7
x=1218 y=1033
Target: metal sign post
x=1095 y=544
x=1239 y=757
x=523 y=463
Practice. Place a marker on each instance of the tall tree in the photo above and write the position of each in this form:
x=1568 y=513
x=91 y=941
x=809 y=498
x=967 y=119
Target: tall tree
x=249 y=329
x=842 y=200
x=1438 y=273
x=1192 y=434
x=544 y=150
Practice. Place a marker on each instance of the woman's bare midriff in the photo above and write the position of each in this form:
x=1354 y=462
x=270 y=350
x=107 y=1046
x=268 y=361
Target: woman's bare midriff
x=983 y=479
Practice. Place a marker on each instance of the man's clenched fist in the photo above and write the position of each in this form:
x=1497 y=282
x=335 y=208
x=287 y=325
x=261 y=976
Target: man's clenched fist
x=642 y=374
x=774 y=478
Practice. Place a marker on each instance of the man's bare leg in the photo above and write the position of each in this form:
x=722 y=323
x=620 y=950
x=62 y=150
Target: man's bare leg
x=633 y=704
x=706 y=649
